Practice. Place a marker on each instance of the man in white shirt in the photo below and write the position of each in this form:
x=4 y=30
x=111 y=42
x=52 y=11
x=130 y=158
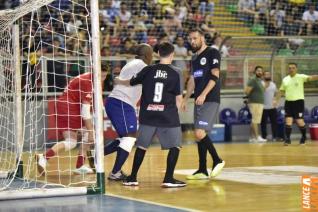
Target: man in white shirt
x=121 y=110
x=271 y=96
x=310 y=18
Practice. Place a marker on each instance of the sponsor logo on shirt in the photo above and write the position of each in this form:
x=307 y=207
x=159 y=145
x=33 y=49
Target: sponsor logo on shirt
x=203 y=61
x=203 y=123
x=198 y=73
x=153 y=107
x=215 y=61
x=161 y=74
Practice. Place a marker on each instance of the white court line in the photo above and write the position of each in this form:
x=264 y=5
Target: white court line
x=151 y=202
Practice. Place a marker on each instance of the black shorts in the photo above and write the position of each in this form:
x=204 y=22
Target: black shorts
x=295 y=109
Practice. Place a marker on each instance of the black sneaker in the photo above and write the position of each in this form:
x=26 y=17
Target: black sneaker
x=287 y=142
x=91 y=159
x=173 y=183
x=119 y=176
x=130 y=181
x=302 y=141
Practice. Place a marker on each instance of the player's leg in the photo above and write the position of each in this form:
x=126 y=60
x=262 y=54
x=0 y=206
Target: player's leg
x=202 y=172
x=125 y=123
x=84 y=148
x=299 y=113
x=170 y=138
x=206 y=116
x=69 y=142
x=145 y=134
x=288 y=121
x=113 y=111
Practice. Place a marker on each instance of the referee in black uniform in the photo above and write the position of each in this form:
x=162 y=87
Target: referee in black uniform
x=160 y=99
x=204 y=81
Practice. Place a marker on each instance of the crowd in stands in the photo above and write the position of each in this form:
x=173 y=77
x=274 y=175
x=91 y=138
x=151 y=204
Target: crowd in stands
x=281 y=17
x=124 y=24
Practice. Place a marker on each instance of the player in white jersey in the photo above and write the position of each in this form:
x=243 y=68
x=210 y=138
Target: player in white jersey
x=121 y=110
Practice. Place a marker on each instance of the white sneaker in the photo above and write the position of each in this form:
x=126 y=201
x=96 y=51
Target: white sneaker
x=252 y=140
x=83 y=170
x=41 y=163
x=260 y=139
x=217 y=169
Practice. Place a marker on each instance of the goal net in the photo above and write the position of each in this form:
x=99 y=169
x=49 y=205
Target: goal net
x=44 y=45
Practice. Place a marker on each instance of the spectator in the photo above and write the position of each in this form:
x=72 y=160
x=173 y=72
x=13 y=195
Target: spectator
x=109 y=16
x=181 y=52
x=163 y=37
x=124 y=15
x=271 y=97
x=277 y=16
x=217 y=42
x=310 y=18
x=291 y=28
x=262 y=8
x=246 y=10
x=127 y=49
x=206 y=6
x=255 y=94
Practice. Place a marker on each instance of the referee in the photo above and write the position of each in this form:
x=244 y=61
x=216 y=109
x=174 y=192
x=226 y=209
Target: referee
x=204 y=81
x=293 y=89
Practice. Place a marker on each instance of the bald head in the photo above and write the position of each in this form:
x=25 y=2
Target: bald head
x=144 y=52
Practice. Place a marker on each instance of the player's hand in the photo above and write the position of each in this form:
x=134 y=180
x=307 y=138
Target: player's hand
x=275 y=104
x=200 y=100
x=183 y=106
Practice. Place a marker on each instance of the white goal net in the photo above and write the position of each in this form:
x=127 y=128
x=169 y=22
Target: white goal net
x=44 y=45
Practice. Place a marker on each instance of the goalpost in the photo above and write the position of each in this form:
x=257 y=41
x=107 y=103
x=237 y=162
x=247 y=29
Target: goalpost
x=43 y=45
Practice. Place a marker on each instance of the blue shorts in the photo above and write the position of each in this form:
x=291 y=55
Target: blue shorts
x=122 y=116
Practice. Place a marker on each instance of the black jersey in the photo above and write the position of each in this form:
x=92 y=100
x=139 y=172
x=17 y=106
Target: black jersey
x=201 y=66
x=160 y=86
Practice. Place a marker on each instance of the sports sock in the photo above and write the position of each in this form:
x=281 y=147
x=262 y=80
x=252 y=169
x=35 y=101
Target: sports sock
x=288 y=130
x=172 y=159
x=80 y=161
x=209 y=145
x=202 y=151
x=121 y=157
x=111 y=147
x=303 y=131
x=138 y=158
x=49 y=154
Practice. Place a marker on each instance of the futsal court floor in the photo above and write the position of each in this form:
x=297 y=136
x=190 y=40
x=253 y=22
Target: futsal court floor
x=257 y=177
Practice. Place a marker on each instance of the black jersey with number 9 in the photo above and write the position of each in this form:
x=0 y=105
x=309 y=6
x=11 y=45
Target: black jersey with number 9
x=160 y=86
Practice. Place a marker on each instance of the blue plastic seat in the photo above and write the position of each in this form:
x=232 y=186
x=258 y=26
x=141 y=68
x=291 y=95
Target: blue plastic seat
x=244 y=116
x=314 y=113
x=228 y=116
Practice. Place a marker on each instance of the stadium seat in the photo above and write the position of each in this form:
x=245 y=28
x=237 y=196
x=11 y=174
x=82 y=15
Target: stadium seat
x=314 y=113
x=244 y=116
x=232 y=8
x=280 y=115
x=285 y=52
x=228 y=118
x=258 y=29
x=302 y=51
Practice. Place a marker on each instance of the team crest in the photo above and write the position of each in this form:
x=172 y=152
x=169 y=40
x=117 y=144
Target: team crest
x=203 y=61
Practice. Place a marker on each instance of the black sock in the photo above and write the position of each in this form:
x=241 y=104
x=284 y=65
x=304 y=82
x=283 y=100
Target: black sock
x=172 y=159
x=121 y=157
x=209 y=145
x=202 y=151
x=111 y=147
x=138 y=158
x=288 y=130
x=303 y=131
